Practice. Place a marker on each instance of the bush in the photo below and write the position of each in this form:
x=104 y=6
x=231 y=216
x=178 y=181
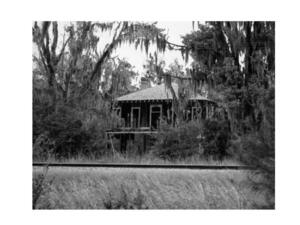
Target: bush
x=180 y=142
x=253 y=150
x=64 y=128
x=215 y=138
x=43 y=147
x=71 y=133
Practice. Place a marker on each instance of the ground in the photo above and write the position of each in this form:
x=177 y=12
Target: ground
x=113 y=188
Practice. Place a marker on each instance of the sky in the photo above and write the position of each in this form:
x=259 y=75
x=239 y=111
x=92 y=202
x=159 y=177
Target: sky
x=174 y=31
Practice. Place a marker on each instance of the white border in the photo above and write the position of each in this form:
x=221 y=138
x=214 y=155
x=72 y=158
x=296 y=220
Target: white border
x=16 y=110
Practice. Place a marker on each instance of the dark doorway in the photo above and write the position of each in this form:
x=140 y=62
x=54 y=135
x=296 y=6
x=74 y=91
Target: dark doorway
x=135 y=117
x=155 y=115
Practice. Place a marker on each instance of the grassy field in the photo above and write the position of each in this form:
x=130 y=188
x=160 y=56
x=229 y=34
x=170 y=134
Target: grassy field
x=149 y=159
x=113 y=188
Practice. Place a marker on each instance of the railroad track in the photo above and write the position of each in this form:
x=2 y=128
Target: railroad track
x=151 y=166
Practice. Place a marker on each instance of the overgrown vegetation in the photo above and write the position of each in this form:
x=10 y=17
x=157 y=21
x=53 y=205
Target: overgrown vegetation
x=215 y=138
x=101 y=188
x=71 y=133
x=74 y=86
x=175 y=143
x=40 y=186
x=204 y=139
x=124 y=202
x=236 y=61
x=233 y=63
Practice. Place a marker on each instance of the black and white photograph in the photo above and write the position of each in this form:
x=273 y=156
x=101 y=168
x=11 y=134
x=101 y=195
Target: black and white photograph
x=149 y=112
x=143 y=115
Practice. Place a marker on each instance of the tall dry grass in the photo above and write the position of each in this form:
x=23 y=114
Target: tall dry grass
x=149 y=158
x=115 y=188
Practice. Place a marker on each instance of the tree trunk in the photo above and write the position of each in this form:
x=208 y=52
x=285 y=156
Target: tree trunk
x=67 y=85
x=249 y=52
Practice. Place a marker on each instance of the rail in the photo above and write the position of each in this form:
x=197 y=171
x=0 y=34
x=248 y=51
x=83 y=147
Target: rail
x=150 y=166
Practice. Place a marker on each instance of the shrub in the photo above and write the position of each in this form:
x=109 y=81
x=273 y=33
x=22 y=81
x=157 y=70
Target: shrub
x=43 y=147
x=65 y=129
x=177 y=142
x=71 y=133
x=252 y=150
x=215 y=138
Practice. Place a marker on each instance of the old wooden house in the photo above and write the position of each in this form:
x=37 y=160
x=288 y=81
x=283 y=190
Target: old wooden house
x=142 y=111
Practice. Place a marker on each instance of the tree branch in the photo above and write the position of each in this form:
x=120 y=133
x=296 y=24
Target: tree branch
x=177 y=77
x=55 y=38
x=176 y=45
x=62 y=50
x=107 y=52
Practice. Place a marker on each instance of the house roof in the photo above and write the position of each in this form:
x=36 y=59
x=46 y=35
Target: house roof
x=159 y=92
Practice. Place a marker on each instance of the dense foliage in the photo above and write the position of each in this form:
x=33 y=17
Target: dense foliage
x=75 y=83
x=74 y=87
x=70 y=133
x=76 y=129
x=215 y=138
x=236 y=61
x=180 y=142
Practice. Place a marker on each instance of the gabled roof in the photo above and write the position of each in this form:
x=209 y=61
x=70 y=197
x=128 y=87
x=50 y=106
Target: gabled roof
x=159 y=92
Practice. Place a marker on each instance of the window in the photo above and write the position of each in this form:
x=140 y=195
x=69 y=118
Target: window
x=210 y=110
x=135 y=117
x=155 y=116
